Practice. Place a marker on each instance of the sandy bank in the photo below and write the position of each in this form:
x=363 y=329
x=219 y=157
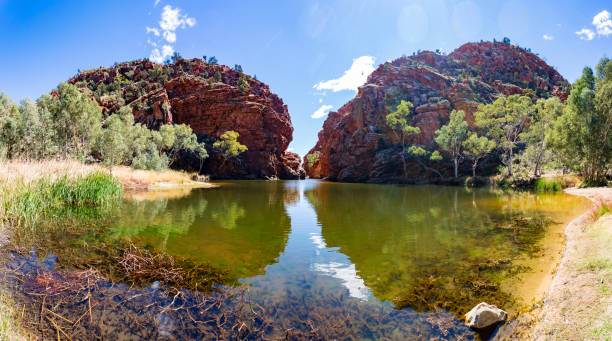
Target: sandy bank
x=579 y=303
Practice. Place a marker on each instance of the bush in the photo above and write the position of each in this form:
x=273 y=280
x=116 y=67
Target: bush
x=547 y=185
x=22 y=206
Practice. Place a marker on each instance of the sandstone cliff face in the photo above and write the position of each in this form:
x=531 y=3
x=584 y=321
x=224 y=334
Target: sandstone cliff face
x=211 y=99
x=355 y=143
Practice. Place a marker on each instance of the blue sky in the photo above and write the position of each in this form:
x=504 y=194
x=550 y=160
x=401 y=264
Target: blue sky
x=291 y=45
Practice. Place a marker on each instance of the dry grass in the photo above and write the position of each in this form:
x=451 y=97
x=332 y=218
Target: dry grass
x=579 y=306
x=12 y=172
x=19 y=176
x=9 y=330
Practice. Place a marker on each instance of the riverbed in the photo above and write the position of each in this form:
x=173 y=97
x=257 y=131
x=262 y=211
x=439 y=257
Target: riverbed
x=336 y=260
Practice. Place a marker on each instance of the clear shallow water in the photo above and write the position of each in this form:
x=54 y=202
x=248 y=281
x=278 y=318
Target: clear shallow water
x=306 y=260
x=409 y=245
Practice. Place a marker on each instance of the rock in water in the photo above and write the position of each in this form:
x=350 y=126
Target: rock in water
x=484 y=315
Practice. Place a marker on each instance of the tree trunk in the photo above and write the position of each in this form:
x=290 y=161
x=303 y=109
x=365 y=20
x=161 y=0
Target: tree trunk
x=474 y=168
x=456 y=167
x=510 y=161
x=404 y=158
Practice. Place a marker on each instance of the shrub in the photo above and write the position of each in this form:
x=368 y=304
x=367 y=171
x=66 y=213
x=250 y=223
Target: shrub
x=547 y=185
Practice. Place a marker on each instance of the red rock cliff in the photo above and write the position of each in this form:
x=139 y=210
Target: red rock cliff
x=211 y=99
x=355 y=143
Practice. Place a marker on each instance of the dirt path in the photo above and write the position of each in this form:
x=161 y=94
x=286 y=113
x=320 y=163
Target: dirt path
x=579 y=303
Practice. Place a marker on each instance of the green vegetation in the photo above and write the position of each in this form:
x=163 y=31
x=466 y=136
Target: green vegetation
x=71 y=125
x=312 y=158
x=503 y=121
x=398 y=122
x=547 y=185
x=24 y=204
x=8 y=323
x=531 y=135
x=475 y=148
x=452 y=136
x=228 y=146
x=583 y=134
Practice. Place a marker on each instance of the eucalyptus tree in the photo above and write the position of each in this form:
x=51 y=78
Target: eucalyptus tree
x=228 y=146
x=451 y=136
x=583 y=134
x=503 y=121
x=477 y=147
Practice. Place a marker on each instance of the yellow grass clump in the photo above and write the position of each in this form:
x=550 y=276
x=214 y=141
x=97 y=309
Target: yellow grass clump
x=14 y=172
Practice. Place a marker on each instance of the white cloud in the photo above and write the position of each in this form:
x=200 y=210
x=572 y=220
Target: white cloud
x=320 y=100
x=153 y=30
x=548 y=37
x=322 y=111
x=347 y=274
x=586 y=34
x=156 y=3
x=602 y=23
x=160 y=57
x=171 y=20
x=352 y=78
x=170 y=36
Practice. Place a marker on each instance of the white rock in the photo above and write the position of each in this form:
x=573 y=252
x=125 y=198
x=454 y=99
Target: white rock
x=484 y=315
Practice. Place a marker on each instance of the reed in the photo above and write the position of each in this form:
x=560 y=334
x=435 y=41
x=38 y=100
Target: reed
x=547 y=185
x=24 y=203
x=8 y=326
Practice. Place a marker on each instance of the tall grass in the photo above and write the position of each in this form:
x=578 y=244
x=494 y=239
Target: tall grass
x=8 y=326
x=547 y=185
x=24 y=203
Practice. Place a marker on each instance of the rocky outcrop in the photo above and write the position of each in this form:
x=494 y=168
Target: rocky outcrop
x=484 y=316
x=355 y=143
x=211 y=99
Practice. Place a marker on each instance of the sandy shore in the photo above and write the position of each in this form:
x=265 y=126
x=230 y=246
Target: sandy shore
x=579 y=303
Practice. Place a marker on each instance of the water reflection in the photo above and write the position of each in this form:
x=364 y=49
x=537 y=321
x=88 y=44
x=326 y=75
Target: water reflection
x=242 y=227
x=405 y=244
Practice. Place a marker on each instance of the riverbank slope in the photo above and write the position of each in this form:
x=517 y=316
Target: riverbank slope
x=579 y=304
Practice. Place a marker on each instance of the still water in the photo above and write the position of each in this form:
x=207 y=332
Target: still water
x=413 y=248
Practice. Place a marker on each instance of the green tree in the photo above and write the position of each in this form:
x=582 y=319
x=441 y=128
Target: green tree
x=218 y=76
x=398 y=122
x=228 y=145
x=582 y=135
x=537 y=134
x=175 y=138
x=76 y=119
x=312 y=158
x=503 y=121
x=477 y=147
x=451 y=136
x=113 y=147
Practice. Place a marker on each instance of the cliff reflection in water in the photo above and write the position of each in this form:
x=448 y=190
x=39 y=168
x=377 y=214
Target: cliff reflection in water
x=429 y=247
x=239 y=226
x=423 y=247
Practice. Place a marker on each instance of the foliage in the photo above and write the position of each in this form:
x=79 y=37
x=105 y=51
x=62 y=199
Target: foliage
x=583 y=134
x=312 y=158
x=503 y=121
x=537 y=134
x=23 y=205
x=228 y=145
x=70 y=125
x=398 y=122
x=451 y=136
x=547 y=185
x=476 y=147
